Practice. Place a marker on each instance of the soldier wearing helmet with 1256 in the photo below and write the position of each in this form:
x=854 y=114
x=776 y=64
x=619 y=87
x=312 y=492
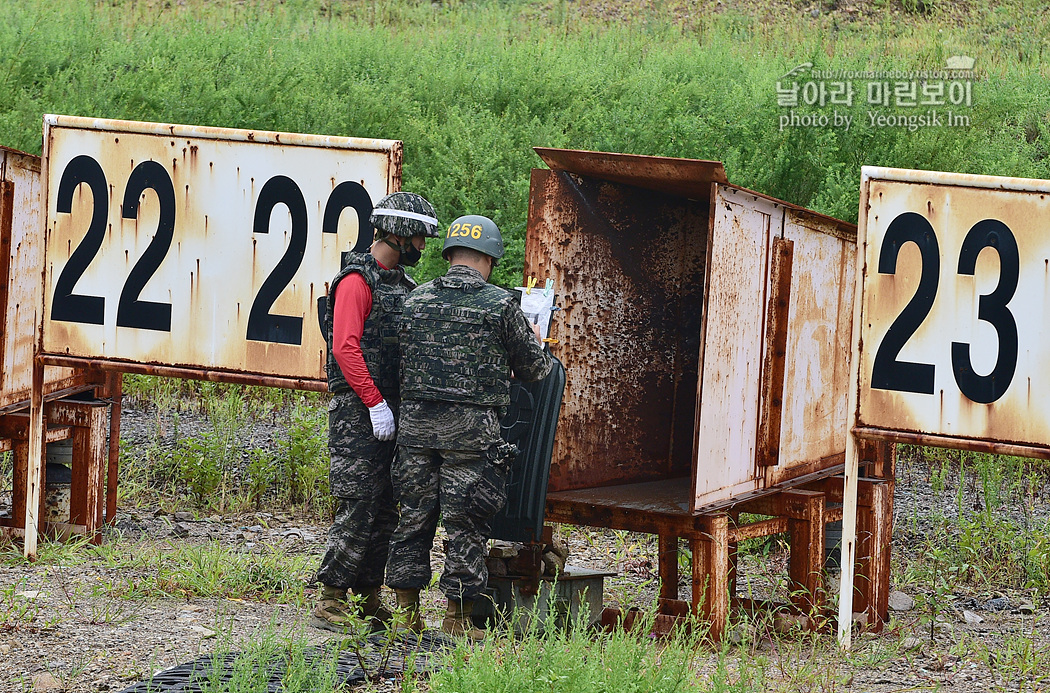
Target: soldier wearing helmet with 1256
x=460 y=339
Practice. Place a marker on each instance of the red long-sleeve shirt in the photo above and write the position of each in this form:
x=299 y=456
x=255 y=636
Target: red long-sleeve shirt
x=353 y=305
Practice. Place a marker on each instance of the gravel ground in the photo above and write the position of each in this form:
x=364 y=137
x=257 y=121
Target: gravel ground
x=62 y=630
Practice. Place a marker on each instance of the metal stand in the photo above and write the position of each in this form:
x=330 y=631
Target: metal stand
x=800 y=512
x=92 y=498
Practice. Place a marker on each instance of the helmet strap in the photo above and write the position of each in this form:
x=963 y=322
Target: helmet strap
x=396 y=246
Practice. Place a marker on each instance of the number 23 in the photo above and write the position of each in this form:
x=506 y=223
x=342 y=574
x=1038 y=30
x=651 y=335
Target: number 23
x=905 y=376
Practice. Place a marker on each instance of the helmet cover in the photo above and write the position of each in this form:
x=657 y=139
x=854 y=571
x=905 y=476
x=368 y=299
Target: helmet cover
x=405 y=214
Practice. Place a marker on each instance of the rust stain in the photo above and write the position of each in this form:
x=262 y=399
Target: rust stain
x=394 y=172
x=962 y=201
x=680 y=177
x=21 y=271
x=209 y=297
x=628 y=334
x=772 y=374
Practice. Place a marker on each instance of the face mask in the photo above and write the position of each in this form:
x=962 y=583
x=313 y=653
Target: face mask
x=409 y=256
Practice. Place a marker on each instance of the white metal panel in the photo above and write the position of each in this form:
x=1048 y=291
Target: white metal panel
x=820 y=316
x=24 y=264
x=744 y=226
x=985 y=244
x=249 y=252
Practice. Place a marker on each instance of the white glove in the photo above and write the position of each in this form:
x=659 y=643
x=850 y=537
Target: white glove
x=382 y=421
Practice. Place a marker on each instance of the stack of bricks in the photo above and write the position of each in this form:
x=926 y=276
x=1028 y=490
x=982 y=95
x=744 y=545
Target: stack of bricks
x=511 y=558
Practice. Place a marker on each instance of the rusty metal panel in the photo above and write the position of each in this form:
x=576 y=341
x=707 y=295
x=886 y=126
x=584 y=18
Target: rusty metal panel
x=197 y=247
x=628 y=266
x=690 y=178
x=742 y=234
x=21 y=264
x=954 y=300
x=749 y=352
x=771 y=403
x=819 y=333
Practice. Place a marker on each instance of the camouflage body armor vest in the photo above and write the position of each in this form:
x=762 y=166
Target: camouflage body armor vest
x=450 y=344
x=379 y=340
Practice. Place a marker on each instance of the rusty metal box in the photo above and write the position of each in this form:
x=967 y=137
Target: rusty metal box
x=705 y=331
x=21 y=281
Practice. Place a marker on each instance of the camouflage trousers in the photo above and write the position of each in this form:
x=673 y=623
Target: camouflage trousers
x=365 y=514
x=467 y=489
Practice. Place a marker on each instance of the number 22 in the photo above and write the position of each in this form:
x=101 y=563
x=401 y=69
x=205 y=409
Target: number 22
x=150 y=315
x=131 y=311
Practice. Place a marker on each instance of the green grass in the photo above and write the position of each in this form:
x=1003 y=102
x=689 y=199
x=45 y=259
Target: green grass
x=992 y=537
x=223 y=467
x=150 y=570
x=472 y=87
x=213 y=570
x=576 y=662
x=245 y=666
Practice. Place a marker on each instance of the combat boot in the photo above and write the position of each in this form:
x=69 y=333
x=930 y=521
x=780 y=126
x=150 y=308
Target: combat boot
x=332 y=611
x=407 y=616
x=457 y=621
x=371 y=607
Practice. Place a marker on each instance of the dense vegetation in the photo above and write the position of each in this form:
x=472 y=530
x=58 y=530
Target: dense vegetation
x=471 y=87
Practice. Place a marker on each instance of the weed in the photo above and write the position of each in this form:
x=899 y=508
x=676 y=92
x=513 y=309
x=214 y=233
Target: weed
x=993 y=538
x=99 y=608
x=67 y=672
x=220 y=467
x=268 y=652
x=49 y=552
x=296 y=473
x=575 y=660
x=212 y=570
x=16 y=610
x=1021 y=659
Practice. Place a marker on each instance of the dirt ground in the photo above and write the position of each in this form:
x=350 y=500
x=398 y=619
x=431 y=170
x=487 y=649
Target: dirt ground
x=78 y=640
x=64 y=628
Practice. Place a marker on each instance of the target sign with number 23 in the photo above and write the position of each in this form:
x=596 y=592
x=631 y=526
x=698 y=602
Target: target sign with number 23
x=955 y=307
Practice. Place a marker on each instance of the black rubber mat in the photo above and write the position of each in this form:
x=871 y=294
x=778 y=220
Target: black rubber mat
x=384 y=658
x=530 y=423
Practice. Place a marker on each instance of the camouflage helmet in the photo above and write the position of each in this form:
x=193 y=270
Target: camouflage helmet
x=405 y=214
x=476 y=232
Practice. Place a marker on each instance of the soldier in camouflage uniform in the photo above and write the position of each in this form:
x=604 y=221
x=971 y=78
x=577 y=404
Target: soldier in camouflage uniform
x=360 y=324
x=460 y=339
